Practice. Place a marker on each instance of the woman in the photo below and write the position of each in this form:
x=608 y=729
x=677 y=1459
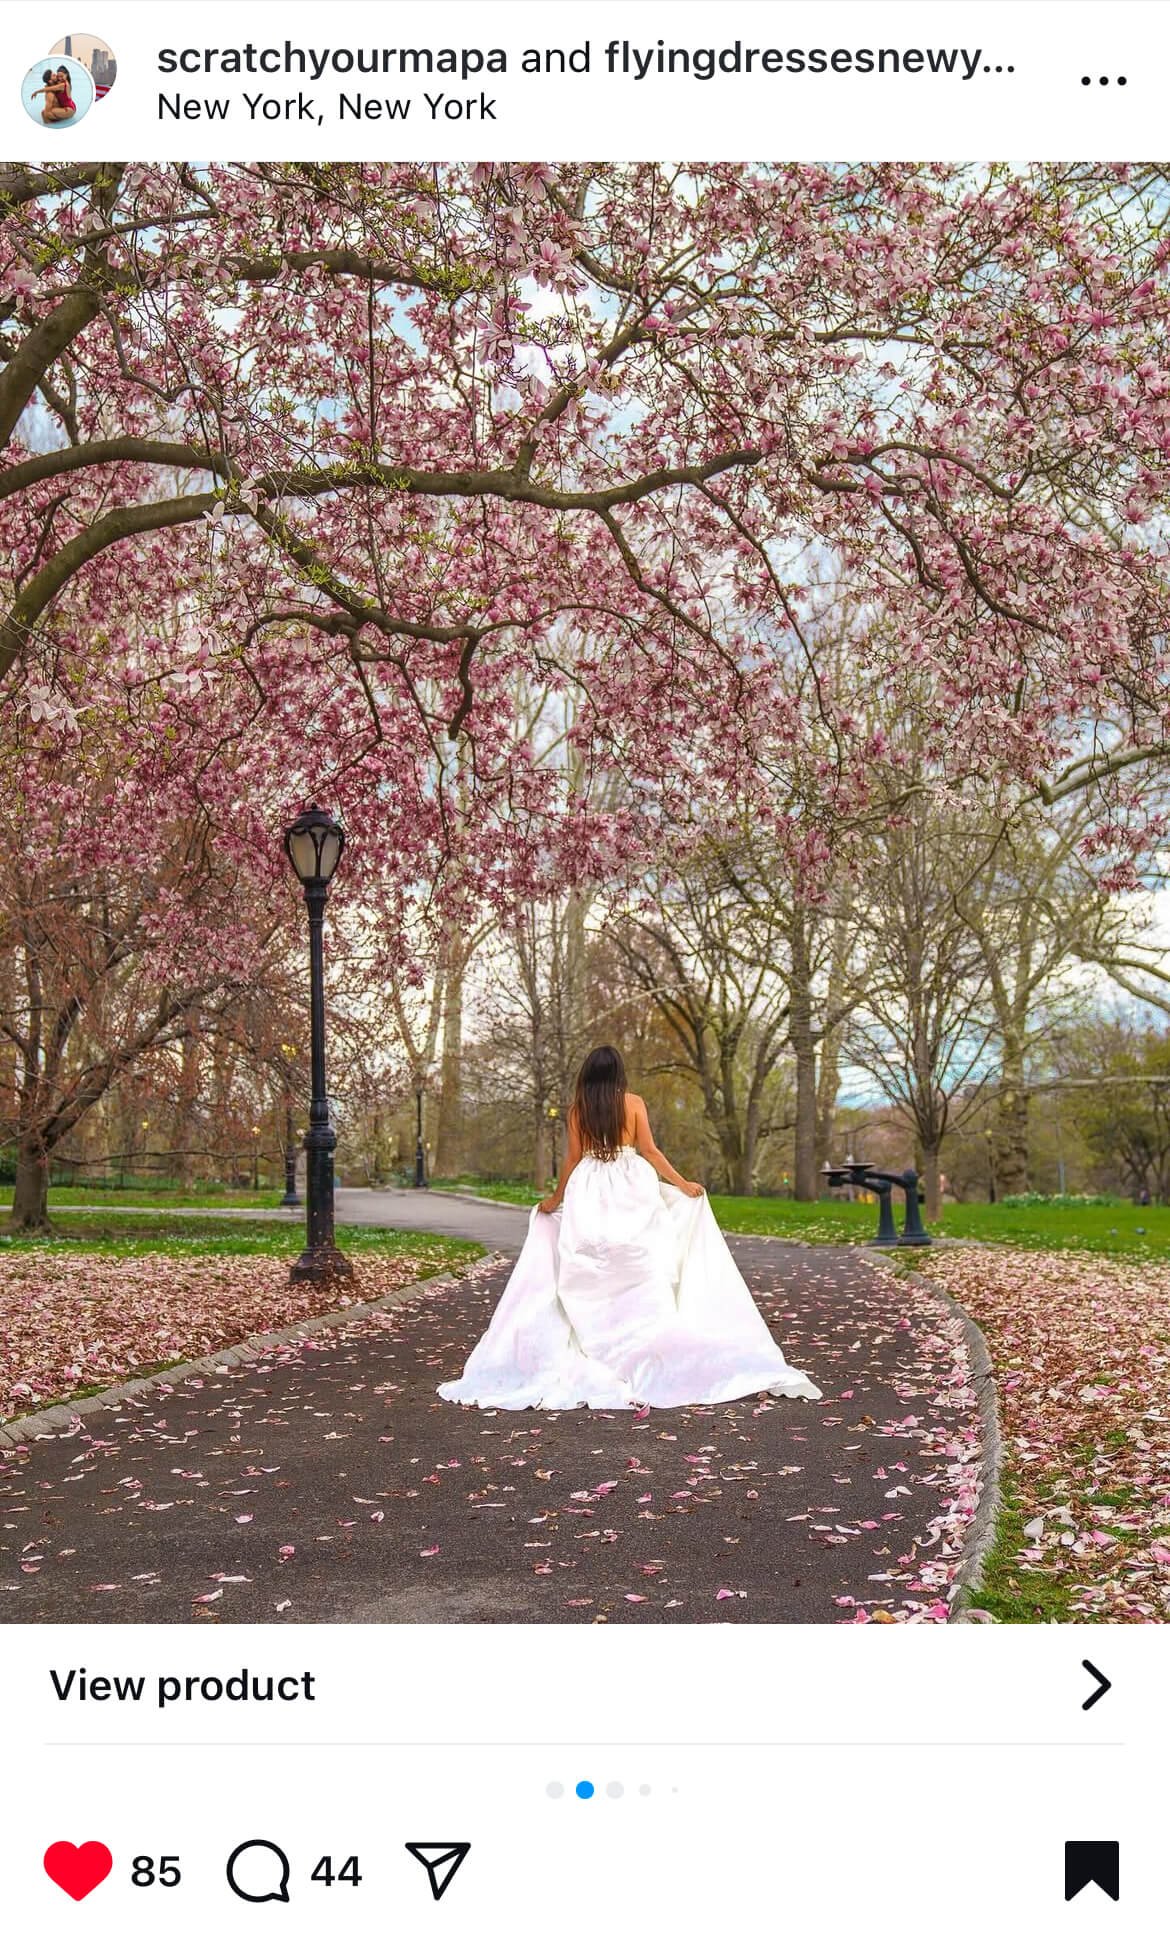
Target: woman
x=625 y=1294
x=59 y=102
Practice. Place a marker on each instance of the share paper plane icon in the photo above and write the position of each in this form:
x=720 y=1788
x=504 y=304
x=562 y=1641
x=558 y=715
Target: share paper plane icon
x=442 y=1860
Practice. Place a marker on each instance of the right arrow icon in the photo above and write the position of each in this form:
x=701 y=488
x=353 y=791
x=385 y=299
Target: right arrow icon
x=1103 y=1685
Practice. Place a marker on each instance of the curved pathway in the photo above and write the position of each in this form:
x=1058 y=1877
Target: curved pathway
x=326 y=1482
x=493 y=1223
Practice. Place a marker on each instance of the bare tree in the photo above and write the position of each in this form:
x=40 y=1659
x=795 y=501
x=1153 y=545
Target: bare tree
x=707 y=959
x=924 y=1033
x=813 y=946
x=1117 y=1073
x=84 y=1004
x=541 y=1006
x=1034 y=908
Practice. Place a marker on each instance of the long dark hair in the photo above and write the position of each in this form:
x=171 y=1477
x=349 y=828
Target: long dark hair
x=600 y=1103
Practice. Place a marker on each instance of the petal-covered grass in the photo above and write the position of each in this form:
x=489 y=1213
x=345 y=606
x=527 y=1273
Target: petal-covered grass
x=1081 y=1352
x=183 y=1234
x=74 y=1322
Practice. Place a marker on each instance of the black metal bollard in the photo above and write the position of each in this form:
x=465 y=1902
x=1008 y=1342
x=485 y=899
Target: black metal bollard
x=870 y=1180
x=887 y=1233
x=914 y=1234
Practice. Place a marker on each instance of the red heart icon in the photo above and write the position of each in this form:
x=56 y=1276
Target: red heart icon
x=78 y=1869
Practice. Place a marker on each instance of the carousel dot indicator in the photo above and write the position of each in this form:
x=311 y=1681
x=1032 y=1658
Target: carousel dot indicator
x=585 y=1789
x=554 y=1789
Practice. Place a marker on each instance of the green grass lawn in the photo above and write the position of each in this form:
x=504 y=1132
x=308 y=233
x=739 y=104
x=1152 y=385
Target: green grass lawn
x=514 y=1192
x=139 y=1193
x=1124 y=1229
x=1141 y=1230
x=1008 y=1592
x=154 y=1233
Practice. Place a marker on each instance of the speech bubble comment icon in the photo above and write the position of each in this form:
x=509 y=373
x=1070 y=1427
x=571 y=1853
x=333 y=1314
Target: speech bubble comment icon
x=258 y=1871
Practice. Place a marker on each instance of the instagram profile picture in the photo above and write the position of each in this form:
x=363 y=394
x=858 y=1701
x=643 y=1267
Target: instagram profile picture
x=57 y=92
x=96 y=57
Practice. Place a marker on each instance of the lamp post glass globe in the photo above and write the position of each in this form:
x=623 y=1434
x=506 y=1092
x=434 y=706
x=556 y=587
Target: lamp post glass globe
x=313 y=845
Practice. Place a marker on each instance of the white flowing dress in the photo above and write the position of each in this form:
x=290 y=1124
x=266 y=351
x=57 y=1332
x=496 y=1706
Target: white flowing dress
x=626 y=1296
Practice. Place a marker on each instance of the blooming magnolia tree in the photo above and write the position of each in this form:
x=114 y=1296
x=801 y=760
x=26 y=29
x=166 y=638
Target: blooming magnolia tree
x=491 y=504
x=411 y=438
x=121 y=911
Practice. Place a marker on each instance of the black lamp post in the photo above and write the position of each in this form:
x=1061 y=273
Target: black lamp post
x=420 y=1157
x=313 y=844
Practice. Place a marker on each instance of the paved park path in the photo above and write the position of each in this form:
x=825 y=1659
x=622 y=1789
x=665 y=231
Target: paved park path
x=491 y=1222
x=328 y=1482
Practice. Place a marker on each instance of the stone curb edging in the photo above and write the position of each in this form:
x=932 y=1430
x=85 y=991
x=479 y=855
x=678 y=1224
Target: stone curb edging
x=22 y=1429
x=980 y=1536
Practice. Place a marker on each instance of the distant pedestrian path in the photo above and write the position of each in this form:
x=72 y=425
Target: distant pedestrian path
x=495 y=1225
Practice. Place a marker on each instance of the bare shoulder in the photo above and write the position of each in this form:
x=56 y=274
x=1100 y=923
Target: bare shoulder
x=634 y=1103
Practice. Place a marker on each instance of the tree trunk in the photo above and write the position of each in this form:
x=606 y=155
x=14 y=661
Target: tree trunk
x=1011 y=1129
x=184 y=1120
x=805 y=1184
x=742 y=1180
x=575 y=1005
x=449 y=1135
x=930 y=1180
x=736 y=1157
x=541 y=1154
x=828 y=1083
x=832 y=1041
x=30 y=1197
x=9 y=1057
